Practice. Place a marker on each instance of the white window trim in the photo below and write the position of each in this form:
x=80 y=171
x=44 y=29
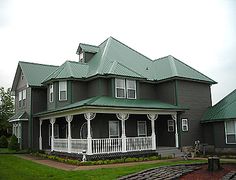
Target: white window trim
x=142 y=135
x=226 y=133
x=185 y=123
x=62 y=90
x=113 y=136
x=135 y=88
x=24 y=94
x=116 y=87
x=169 y=125
x=51 y=92
x=81 y=56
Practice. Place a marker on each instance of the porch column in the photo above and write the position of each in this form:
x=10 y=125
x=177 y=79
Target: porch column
x=153 y=117
x=174 y=117
x=40 y=134
x=89 y=116
x=123 y=117
x=69 y=119
x=52 y=121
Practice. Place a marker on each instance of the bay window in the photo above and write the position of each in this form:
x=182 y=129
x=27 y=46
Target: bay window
x=51 y=93
x=125 y=88
x=230 y=132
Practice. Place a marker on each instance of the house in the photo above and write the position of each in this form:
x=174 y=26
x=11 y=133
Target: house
x=219 y=124
x=113 y=100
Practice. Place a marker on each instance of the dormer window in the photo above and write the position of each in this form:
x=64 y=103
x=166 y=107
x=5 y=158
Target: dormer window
x=81 y=56
x=62 y=90
x=51 y=93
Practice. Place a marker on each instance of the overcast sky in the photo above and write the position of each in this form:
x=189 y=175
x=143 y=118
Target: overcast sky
x=202 y=34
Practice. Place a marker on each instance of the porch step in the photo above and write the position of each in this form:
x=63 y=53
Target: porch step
x=169 y=151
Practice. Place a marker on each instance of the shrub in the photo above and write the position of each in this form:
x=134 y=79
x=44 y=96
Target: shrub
x=14 y=145
x=3 y=142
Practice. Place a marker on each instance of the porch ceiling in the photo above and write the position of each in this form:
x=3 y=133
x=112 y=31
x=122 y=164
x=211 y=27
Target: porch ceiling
x=104 y=104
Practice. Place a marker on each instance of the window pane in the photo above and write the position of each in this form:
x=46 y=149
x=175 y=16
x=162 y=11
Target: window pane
x=62 y=86
x=114 y=128
x=131 y=94
x=230 y=127
x=131 y=84
x=120 y=83
x=63 y=90
x=120 y=92
x=63 y=95
x=20 y=95
x=142 y=128
x=231 y=138
x=24 y=94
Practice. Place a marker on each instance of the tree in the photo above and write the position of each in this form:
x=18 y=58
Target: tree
x=6 y=109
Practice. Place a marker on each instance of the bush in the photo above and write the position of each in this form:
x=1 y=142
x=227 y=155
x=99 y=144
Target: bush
x=14 y=145
x=3 y=142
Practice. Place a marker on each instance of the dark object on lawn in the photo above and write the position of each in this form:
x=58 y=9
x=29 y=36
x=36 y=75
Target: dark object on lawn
x=3 y=142
x=213 y=164
x=14 y=145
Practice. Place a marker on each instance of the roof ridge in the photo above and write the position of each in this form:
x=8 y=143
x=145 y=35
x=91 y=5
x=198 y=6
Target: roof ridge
x=161 y=58
x=173 y=65
x=89 y=45
x=130 y=48
x=38 y=63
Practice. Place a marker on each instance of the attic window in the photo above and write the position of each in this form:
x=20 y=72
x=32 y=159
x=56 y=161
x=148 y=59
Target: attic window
x=22 y=76
x=81 y=56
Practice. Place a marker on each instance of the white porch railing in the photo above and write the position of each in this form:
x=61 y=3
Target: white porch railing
x=78 y=145
x=60 y=145
x=138 y=143
x=106 y=145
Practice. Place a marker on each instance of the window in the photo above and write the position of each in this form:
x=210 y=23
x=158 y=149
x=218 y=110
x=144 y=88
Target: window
x=131 y=89
x=63 y=91
x=51 y=93
x=230 y=132
x=81 y=56
x=142 y=128
x=120 y=88
x=20 y=98
x=170 y=125
x=184 y=124
x=22 y=76
x=24 y=96
x=125 y=88
x=114 y=129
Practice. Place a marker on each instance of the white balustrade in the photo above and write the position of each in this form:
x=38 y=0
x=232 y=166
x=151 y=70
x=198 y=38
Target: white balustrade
x=60 y=145
x=106 y=145
x=138 y=143
x=78 y=145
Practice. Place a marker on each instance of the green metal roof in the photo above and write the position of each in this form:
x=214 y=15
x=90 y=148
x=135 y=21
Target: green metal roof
x=223 y=110
x=69 y=69
x=104 y=101
x=89 y=48
x=18 y=116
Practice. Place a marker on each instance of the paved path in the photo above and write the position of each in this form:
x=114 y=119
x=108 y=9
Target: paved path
x=69 y=167
x=166 y=172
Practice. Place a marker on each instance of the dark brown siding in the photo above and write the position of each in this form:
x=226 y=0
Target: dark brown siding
x=197 y=98
x=147 y=91
x=39 y=100
x=165 y=92
x=24 y=136
x=79 y=91
x=208 y=133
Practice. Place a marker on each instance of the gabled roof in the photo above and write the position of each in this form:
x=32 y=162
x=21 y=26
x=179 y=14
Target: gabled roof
x=88 y=48
x=21 y=115
x=33 y=72
x=111 y=102
x=223 y=110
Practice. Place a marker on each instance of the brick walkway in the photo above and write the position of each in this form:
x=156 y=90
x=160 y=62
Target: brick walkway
x=167 y=173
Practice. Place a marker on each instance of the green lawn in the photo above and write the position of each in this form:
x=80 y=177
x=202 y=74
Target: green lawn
x=15 y=168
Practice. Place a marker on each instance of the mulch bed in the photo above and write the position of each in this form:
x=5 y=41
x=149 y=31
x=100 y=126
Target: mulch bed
x=204 y=174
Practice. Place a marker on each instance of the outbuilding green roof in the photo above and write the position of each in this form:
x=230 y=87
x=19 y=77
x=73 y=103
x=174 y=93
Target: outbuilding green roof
x=223 y=110
x=105 y=101
x=115 y=58
x=89 y=48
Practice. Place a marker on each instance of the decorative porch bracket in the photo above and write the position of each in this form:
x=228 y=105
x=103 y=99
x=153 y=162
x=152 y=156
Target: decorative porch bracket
x=123 y=117
x=153 y=117
x=69 y=119
x=52 y=121
x=89 y=116
x=174 y=117
x=40 y=134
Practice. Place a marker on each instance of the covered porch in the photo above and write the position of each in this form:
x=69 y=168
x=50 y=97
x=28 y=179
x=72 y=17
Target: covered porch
x=99 y=130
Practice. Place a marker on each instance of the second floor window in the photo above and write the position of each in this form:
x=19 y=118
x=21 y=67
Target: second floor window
x=20 y=98
x=62 y=90
x=24 y=96
x=125 y=88
x=51 y=93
